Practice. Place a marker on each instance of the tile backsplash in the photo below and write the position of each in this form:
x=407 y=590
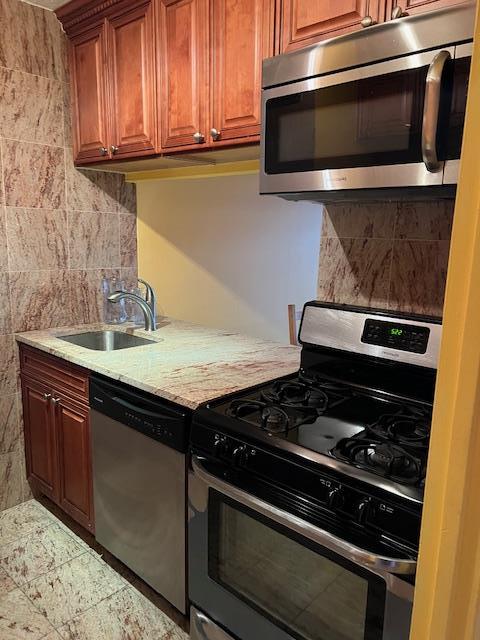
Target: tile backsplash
x=390 y=255
x=61 y=229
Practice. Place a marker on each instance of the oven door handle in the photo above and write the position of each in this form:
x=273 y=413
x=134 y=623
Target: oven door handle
x=431 y=111
x=343 y=548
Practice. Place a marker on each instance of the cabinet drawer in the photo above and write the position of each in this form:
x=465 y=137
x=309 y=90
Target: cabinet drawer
x=63 y=375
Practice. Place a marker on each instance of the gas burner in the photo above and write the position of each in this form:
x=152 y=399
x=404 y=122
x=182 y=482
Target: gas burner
x=275 y=420
x=271 y=418
x=305 y=394
x=383 y=458
x=244 y=408
x=409 y=427
x=296 y=394
x=315 y=380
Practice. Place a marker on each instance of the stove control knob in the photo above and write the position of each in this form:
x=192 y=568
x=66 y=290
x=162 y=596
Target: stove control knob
x=220 y=444
x=363 y=507
x=240 y=455
x=336 y=498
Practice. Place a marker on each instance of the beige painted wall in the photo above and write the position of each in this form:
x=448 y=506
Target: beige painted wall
x=219 y=254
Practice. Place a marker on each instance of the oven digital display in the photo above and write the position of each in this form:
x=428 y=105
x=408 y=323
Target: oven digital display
x=405 y=337
x=396 y=331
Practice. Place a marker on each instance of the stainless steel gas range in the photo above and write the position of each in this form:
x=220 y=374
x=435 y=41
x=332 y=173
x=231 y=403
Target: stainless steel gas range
x=306 y=494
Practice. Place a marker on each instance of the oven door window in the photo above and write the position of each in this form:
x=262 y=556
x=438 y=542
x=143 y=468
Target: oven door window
x=373 y=121
x=307 y=591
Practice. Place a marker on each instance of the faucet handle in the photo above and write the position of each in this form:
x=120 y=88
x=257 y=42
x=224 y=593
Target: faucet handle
x=149 y=295
x=148 y=289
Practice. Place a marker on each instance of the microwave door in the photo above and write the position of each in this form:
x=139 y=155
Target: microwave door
x=357 y=129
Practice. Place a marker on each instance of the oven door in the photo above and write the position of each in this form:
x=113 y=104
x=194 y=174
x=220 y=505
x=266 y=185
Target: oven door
x=261 y=573
x=365 y=128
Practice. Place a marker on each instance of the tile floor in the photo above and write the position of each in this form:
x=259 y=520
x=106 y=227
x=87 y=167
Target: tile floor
x=54 y=586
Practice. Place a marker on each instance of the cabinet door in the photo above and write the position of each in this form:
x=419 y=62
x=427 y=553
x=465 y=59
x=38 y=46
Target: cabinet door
x=242 y=36
x=182 y=64
x=304 y=22
x=131 y=55
x=40 y=440
x=412 y=7
x=89 y=106
x=74 y=459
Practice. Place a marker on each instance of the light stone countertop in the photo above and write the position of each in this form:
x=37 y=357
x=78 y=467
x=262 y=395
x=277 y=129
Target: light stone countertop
x=190 y=365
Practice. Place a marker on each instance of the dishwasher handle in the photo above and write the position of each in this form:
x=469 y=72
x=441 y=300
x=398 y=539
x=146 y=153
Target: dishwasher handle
x=140 y=410
x=155 y=418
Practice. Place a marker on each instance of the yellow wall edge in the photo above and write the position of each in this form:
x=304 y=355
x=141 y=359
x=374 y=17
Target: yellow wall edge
x=198 y=171
x=448 y=578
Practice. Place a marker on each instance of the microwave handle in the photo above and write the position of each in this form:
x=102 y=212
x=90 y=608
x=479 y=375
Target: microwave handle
x=315 y=534
x=431 y=111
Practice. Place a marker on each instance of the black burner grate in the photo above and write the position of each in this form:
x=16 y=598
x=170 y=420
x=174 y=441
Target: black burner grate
x=288 y=404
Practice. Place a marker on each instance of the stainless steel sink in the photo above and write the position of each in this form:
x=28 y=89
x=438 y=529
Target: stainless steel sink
x=106 y=340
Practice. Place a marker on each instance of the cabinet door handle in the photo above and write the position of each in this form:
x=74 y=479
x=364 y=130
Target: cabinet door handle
x=103 y=151
x=55 y=401
x=199 y=137
x=114 y=149
x=398 y=12
x=47 y=396
x=215 y=133
x=368 y=21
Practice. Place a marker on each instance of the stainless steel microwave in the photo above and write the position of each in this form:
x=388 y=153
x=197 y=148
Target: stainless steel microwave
x=374 y=114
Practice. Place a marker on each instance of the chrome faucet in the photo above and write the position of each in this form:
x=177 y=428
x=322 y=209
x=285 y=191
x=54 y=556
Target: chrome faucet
x=148 y=314
x=149 y=296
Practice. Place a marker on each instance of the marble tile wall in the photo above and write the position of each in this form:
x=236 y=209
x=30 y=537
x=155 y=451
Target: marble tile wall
x=390 y=255
x=60 y=229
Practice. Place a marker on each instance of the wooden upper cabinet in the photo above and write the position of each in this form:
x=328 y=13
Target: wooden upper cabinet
x=182 y=68
x=89 y=106
x=412 y=7
x=304 y=22
x=131 y=57
x=242 y=36
x=40 y=440
x=159 y=76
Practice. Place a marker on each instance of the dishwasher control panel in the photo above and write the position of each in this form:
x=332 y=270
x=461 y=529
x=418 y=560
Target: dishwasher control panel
x=155 y=418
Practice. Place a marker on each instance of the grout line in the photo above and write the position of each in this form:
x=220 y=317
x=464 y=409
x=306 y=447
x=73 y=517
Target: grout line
x=78 y=615
x=46 y=573
x=64 y=622
x=41 y=575
x=67 y=213
x=66 y=270
x=29 y=73
x=394 y=231
x=93 y=212
x=4 y=194
x=384 y=238
x=34 y=142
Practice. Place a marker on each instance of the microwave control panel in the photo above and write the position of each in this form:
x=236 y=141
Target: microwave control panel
x=405 y=337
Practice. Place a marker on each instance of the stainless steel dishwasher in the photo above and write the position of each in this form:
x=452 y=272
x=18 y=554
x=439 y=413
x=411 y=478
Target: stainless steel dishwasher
x=139 y=480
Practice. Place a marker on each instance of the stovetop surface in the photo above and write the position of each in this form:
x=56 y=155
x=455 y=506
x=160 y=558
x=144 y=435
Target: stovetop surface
x=380 y=434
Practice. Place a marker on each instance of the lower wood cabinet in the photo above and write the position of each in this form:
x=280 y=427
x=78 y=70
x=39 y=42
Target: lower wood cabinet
x=40 y=440
x=57 y=433
x=72 y=423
